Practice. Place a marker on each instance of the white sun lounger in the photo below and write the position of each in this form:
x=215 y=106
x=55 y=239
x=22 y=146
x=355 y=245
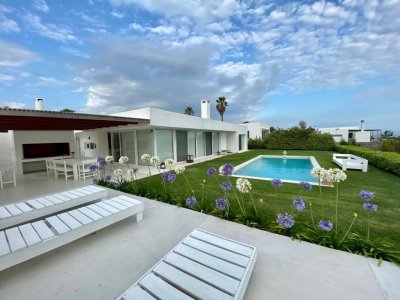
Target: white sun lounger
x=17 y=213
x=202 y=266
x=21 y=243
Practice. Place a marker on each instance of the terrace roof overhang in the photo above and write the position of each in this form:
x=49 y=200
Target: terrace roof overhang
x=24 y=119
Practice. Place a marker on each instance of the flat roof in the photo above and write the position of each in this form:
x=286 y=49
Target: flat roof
x=27 y=119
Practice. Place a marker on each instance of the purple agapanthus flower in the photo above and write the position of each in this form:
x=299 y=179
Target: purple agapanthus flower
x=227 y=169
x=221 y=203
x=226 y=186
x=325 y=225
x=107 y=178
x=277 y=182
x=169 y=177
x=370 y=206
x=135 y=170
x=298 y=203
x=285 y=220
x=211 y=171
x=93 y=168
x=305 y=186
x=101 y=161
x=366 y=195
x=191 y=201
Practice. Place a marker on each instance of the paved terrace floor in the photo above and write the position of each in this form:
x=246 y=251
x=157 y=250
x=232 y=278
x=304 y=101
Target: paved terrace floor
x=104 y=264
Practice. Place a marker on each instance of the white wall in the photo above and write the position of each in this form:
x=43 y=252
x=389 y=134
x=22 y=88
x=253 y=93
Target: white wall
x=5 y=150
x=363 y=137
x=339 y=133
x=93 y=136
x=35 y=137
x=255 y=129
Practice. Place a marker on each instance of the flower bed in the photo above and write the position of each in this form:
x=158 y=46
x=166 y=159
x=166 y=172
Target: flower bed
x=235 y=202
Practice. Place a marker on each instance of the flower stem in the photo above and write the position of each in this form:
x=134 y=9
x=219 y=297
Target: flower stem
x=276 y=200
x=368 y=225
x=348 y=230
x=336 y=208
x=254 y=204
x=322 y=200
x=312 y=217
x=187 y=181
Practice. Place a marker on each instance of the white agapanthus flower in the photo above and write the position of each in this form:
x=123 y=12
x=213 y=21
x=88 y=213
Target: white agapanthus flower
x=123 y=160
x=179 y=169
x=326 y=175
x=146 y=157
x=337 y=175
x=316 y=172
x=118 y=172
x=243 y=185
x=109 y=159
x=130 y=174
x=155 y=161
x=169 y=162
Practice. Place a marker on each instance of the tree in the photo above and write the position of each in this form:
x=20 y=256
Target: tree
x=67 y=110
x=221 y=106
x=303 y=124
x=189 y=111
x=387 y=134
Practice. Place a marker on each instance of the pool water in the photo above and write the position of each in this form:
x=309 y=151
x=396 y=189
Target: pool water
x=290 y=169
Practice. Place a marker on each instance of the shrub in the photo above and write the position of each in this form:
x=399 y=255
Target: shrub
x=256 y=143
x=387 y=161
x=298 y=139
x=391 y=145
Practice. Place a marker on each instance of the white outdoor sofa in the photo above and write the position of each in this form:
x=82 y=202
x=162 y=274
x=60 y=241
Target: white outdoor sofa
x=17 y=213
x=202 y=266
x=23 y=242
x=350 y=161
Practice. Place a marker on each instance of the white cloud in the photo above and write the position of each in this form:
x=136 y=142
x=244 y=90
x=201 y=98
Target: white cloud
x=167 y=30
x=49 y=30
x=6 y=77
x=43 y=81
x=13 y=104
x=75 y=52
x=13 y=56
x=117 y=14
x=7 y=25
x=41 y=6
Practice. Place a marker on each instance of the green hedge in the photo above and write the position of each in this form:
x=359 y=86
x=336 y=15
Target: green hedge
x=298 y=139
x=387 y=161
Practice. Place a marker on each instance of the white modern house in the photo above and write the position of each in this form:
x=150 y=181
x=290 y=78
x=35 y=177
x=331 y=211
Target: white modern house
x=166 y=134
x=29 y=137
x=256 y=130
x=357 y=133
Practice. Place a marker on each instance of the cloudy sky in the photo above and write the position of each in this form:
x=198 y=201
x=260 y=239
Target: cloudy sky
x=329 y=63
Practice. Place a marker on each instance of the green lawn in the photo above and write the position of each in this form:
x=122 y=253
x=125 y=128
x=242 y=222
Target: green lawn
x=384 y=223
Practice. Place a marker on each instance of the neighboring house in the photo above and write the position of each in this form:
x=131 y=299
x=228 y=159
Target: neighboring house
x=357 y=133
x=28 y=137
x=256 y=130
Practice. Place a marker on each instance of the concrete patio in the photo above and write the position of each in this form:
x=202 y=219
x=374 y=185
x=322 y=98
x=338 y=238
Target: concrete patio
x=104 y=264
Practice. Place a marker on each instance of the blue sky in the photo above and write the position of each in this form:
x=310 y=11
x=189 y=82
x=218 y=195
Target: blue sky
x=329 y=63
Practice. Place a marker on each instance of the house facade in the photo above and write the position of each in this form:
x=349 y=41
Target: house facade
x=167 y=135
x=256 y=130
x=357 y=133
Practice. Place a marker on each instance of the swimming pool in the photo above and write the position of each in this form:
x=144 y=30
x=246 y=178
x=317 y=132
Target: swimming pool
x=267 y=167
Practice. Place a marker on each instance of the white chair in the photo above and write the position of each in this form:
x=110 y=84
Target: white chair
x=203 y=266
x=84 y=169
x=7 y=175
x=49 y=166
x=60 y=167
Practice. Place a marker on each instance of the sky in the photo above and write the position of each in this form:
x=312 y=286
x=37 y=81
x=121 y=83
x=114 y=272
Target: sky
x=328 y=63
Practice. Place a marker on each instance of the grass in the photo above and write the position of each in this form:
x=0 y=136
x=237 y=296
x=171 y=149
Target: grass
x=383 y=224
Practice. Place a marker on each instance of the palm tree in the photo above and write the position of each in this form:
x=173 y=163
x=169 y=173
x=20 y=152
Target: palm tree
x=221 y=106
x=189 y=111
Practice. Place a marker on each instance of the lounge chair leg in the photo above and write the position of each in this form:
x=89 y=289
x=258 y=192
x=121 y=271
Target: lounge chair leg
x=139 y=217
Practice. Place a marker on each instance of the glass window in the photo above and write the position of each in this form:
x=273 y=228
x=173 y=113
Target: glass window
x=192 y=143
x=200 y=144
x=128 y=145
x=164 y=144
x=145 y=143
x=215 y=142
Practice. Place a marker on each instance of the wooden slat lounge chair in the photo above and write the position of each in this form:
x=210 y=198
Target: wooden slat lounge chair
x=202 y=266
x=23 y=242
x=17 y=213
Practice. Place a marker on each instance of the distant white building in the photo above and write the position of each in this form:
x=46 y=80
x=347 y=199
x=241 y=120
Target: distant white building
x=256 y=130
x=357 y=133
